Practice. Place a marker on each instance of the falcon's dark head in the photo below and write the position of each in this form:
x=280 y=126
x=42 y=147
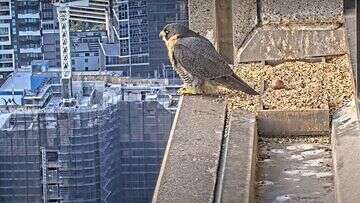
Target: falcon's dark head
x=173 y=29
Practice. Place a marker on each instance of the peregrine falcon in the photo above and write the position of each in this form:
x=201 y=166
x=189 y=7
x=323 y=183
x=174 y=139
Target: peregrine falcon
x=196 y=61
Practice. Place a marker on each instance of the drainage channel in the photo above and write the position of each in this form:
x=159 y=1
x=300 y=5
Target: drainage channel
x=294 y=169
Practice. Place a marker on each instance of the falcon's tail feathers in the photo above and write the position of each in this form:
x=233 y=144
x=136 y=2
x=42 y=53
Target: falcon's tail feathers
x=235 y=83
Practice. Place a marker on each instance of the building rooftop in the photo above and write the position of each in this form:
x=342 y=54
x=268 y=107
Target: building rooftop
x=81 y=47
x=18 y=82
x=110 y=49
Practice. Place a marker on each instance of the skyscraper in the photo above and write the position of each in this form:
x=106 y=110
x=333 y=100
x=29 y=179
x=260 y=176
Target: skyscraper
x=137 y=24
x=29 y=31
x=27 y=37
x=105 y=150
x=7 y=52
x=160 y=13
x=20 y=34
x=50 y=35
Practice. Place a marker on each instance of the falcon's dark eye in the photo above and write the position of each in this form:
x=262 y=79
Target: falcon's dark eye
x=167 y=31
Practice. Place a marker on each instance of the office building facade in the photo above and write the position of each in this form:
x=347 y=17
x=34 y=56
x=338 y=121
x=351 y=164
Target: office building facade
x=138 y=51
x=110 y=154
x=20 y=36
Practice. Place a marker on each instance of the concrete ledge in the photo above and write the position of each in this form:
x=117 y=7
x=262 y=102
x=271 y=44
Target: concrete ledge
x=189 y=169
x=240 y=162
x=304 y=122
x=288 y=43
x=345 y=141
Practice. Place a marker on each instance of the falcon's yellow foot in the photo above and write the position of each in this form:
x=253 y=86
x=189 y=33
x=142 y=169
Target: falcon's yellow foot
x=189 y=91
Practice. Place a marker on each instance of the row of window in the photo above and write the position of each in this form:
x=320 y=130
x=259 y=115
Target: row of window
x=86 y=54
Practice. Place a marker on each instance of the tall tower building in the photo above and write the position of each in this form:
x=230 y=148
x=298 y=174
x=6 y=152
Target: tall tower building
x=160 y=13
x=138 y=51
x=7 y=52
x=20 y=34
x=27 y=36
x=29 y=31
x=93 y=154
x=50 y=35
x=95 y=12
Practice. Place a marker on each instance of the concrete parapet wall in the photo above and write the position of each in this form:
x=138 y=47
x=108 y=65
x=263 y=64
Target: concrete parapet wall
x=212 y=20
x=302 y=122
x=245 y=20
x=202 y=18
x=240 y=157
x=301 y=11
x=289 y=43
x=210 y=156
x=189 y=169
x=345 y=143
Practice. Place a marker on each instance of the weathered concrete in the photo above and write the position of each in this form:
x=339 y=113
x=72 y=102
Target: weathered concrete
x=214 y=19
x=189 y=169
x=202 y=18
x=351 y=41
x=224 y=30
x=345 y=140
x=281 y=43
x=244 y=20
x=304 y=122
x=240 y=158
x=301 y=11
x=295 y=170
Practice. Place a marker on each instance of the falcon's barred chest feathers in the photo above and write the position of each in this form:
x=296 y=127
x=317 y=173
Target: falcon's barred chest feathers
x=197 y=62
x=170 y=45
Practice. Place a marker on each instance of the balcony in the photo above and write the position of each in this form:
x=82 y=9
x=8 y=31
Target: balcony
x=7 y=69
x=5 y=40
x=7 y=51
x=30 y=50
x=5 y=15
x=6 y=60
x=30 y=33
x=29 y=15
x=4 y=8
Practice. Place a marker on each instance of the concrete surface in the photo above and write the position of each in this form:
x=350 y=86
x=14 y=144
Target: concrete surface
x=345 y=142
x=304 y=122
x=224 y=31
x=247 y=18
x=240 y=158
x=202 y=18
x=189 y=169
x=297 y=169
x=279 y=43
x=301 y=12
x=351 y=41
x=244 y=21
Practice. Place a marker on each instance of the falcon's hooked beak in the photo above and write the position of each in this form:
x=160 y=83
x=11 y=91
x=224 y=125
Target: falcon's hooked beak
x=162 y=35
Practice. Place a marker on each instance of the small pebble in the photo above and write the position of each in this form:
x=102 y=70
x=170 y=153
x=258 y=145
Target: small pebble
x=277 y=84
